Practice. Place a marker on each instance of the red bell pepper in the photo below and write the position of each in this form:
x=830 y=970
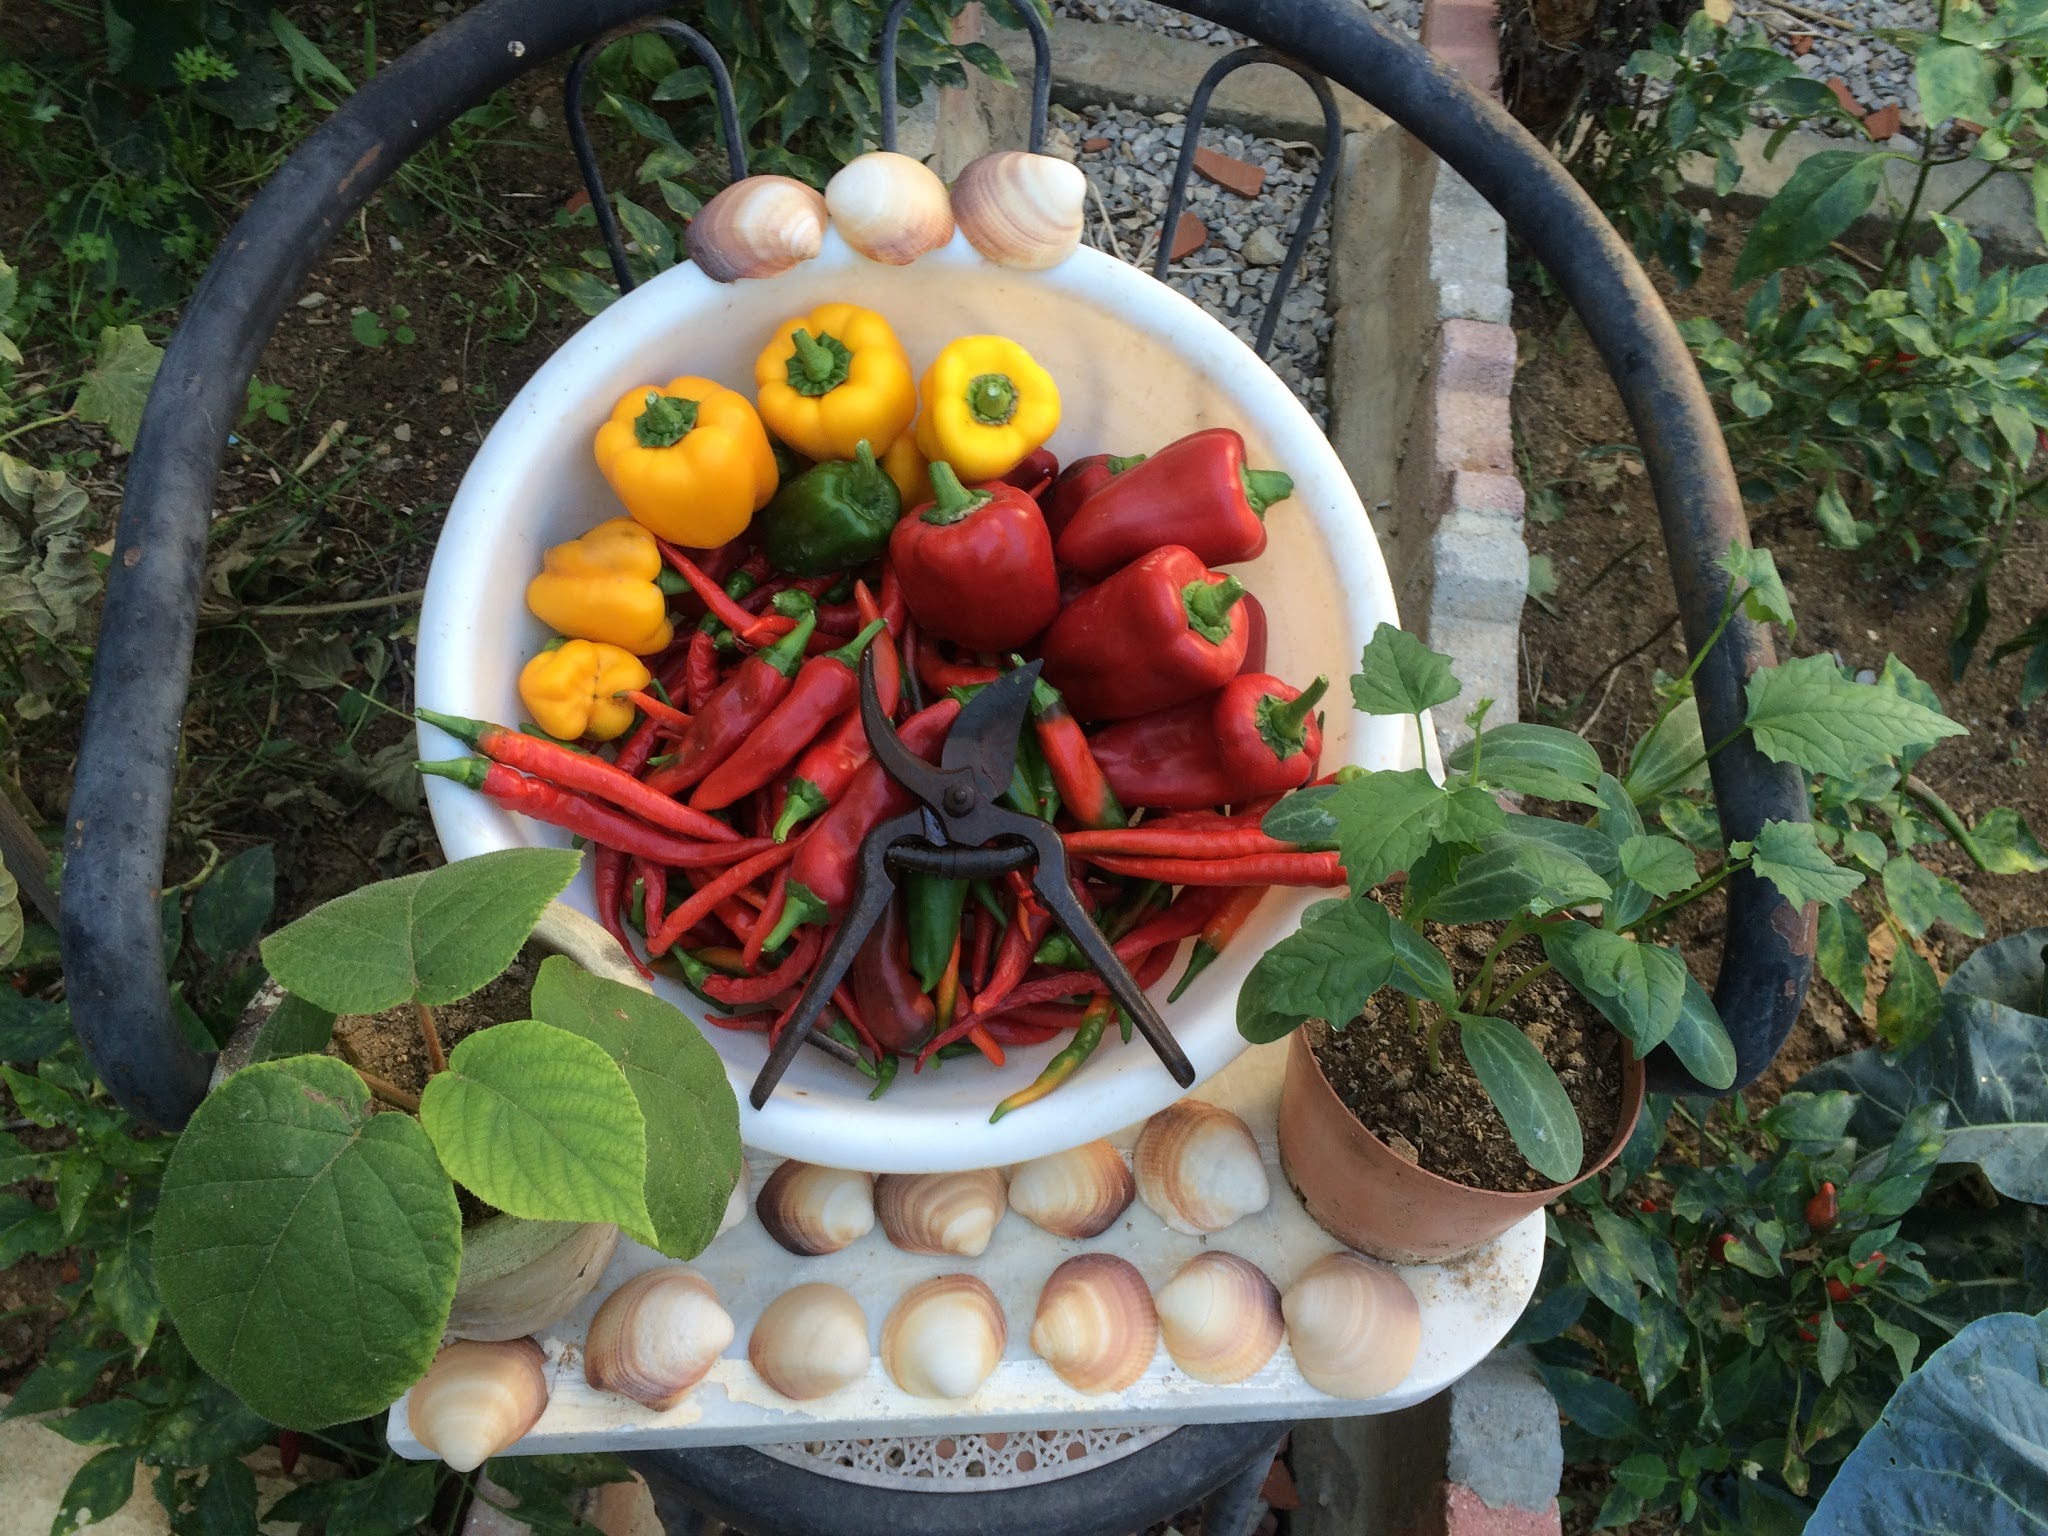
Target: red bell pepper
x=826 y=688
x=1077 y=482
x=1034 y=473
x=828 y=860
x=729 y=716
x=1267 y=734
x=1167 y=760
x=976 y=566
x=1254 y=636
x=1162 y=630
x=1196 y=492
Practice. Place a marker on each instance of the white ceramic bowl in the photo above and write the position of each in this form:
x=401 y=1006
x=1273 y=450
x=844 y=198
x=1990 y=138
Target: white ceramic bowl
x=1137 y=366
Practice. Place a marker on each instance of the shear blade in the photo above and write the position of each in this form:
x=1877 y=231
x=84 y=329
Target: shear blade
x=984 y=738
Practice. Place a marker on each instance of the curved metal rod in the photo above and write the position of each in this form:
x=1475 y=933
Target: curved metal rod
x=1767 y=949
x=1041 y=69
x=579 y=135
x=1305 y=217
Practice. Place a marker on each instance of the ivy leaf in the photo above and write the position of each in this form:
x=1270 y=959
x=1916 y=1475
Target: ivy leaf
x=1538 y=760
x=543 y=1124
x=232 y=907
x=1700 y=1040
x=306 y=1249
x=1399 y=675
x=1638 y=987
x=1662 y=866
x=1384 y=822
x=433 y=937
x=1806 y=712
x=1526 y=1091
x=1326 y=969
x=1920 y=898
x=1842 y=952
x=116 y=389
x=1789 y=855
x=693 y=1120
x=1764 y=597
x=1824 y=196
x=1911 y=1001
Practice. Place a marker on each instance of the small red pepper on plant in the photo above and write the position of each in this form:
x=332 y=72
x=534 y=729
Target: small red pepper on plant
x=1822 y=1209
x=1267 y=734
x=1196 y=492
x=1161 y=631
x=976 y=565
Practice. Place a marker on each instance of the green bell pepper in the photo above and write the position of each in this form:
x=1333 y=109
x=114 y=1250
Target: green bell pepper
x=831 y=517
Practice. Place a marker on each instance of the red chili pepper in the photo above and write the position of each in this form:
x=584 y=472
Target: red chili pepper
x=831 y=851
x=287 y=1451
x=939 y=674
x=983 y=958
x=1823 y=1209
x=700 y=676
x=1034 y=473
x=1312 y=869
x=1051 y=1018
x=714 y=597
x=1161 y=631
x=893 y=607
x=653 y=880
x=1148 y=841
x=769 y=921
x=1077 y=482
x=1876 y=1259
x=581 y=771
x=731 y=714
x=1267 y=734
x=667 y=716
x=739 y=990
x=1217 y=933
x=708 y=896
x=559 y=807
x=1010 y=1031
x=821 y=775
x=825 y=689
x=1837 y=1291
x=1722 y=1243
x=1647 y=1206
x=1166 y=759
x=976 y=566
x=1196 y=492
x=1147 y=950
x=608 y=872
x=1255 y=630
x=898 y=1013
x=1075 y=774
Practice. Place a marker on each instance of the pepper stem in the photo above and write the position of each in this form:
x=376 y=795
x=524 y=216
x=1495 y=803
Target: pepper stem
x=1263 y=487
x=992 y=398
x=1283 y=726
x=1208 y=605
x=1117 y=464
x=951 y=500
x=468 y=732
x=665 y=422
x=818 y=365
x=785 y=653
x=466 y=771
x=805 y=801
x=848 y=655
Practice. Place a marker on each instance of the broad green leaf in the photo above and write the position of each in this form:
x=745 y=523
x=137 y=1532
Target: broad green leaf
x=1326 y=969
x=693 y=1121
x=1842 y=952
x=1419 y=968
x=1631 y=1244
x=1661 y=1344
x=125 y=1288
x=98 y=1490
x=10 y=918
x=543 y=1124
x=1526 y=1091
x=1644 y=1474
x=1601 y=1270
x=1809 y=1116
x=1638 y=987
x=1843 y=528
x=2008 y=844
x=227 y=1504
x=1662 y=866
x=648 y=233
x=1787 y=854
x=1823 y=197
x=1671 y=758
x=1911 y=1000
x=433 y=938
x=1471 y=814
x=1598 y=1407
x=1384 y=822
x=1831 y=1346
x=586 y=290
x=1512 y=872
x=209 y=1422
x=307 y=1249
x=1538 y=760
x=1618 y=820
x=1806 y=712
x=1399 y=675
x=1303 y=818
x=1763 y=597
x=118 y=384
x=1956 y=80
x=1920 y=898
x=232 y=907
x=295 y=1028
x=71 y=1368
x=1903 y=1343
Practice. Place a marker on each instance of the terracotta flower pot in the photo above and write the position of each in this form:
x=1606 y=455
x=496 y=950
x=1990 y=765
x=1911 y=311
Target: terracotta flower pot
x=1369 y=1198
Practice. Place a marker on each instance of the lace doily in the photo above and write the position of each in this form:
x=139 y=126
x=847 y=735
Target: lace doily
x=967 y=1463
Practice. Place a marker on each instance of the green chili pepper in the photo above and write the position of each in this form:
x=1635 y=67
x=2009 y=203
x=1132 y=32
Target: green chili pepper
x=830 y=517
x=1066 y=1063
x=1061 y=953
x=933 y=907
x=885 y=1074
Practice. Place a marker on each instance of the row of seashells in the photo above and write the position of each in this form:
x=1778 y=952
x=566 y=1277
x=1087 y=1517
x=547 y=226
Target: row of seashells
x=1196 y=1166
x=1017 y=209
x=1353 y=1325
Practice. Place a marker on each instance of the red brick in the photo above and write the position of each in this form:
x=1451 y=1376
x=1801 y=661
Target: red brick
x=1477 y=355
x=1465 y=34
x=1802 y=42
x=1882 y=123
x=1245 y=180
x=578 y=200
x=1189 y=236
x=1841 y=89
x=1466 y=1514
x=1094 y=146
x=1278 y=1488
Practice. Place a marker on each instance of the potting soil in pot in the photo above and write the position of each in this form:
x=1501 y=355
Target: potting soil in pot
x=1444 y=1122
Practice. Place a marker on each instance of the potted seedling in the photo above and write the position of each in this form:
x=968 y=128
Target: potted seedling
x=1479 y=1006
x=310 y=1243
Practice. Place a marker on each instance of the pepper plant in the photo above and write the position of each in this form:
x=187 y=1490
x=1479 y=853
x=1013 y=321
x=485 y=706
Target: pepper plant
x=1594 y=894
x=308 y=1247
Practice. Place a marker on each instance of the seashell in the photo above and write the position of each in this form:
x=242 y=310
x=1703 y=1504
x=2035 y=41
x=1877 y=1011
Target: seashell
x=477 y=1398
x=810 y=1341
x=889 y=207
x=1078 y=1193
x=1220 y=1317
x=942 y=1213
x=944 y=1337
x=735 y=1204
x=811 y=1210
x=1021 y=210
x=1353 y=1324
x=655 y=1337
x=1095 y=1325
x=757 y=228
x=1198 y=1167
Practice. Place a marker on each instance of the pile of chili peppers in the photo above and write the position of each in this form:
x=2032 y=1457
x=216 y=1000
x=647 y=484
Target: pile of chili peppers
x=713 y=756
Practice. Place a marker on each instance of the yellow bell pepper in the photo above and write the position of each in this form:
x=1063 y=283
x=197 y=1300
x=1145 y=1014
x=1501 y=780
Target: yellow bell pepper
x=833 y=379
x=986 y=405
x=571 y=690
x=910 y=470
x=690 y=460
x=602 y=587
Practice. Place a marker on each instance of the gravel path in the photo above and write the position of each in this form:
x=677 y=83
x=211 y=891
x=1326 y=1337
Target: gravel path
x=1130 y=169
x=1876 y=73
x=1148 y=16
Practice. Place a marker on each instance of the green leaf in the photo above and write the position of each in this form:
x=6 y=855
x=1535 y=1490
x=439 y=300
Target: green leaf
x=70 y=1369
x=1831 y=1346
x=1644 y=1474
x=1920 y=898
x=1538 y=760
x=391 y=1501
x=1788 y=854
x=1526 y=1091
x=1638 y=987
x=647 y=232
x=295 y=1028
x=1700 y=1040
x=207 y=1423
x=1806 y=712
x=1764 y=597
x=1384 y=822
x=1601 y=1270
x=227 y=1504
x=97 y=1491
x=10 y=918
x=1399 y=675
x=543 y=1124
x=1818 y=1118
x=308 y=63
x=432 y=938
x=1419 y=968
x=1619 y=820
x=1842 y=952
x=1512 y=872
x=1903 y=1343
x=1911 y=1001
x=116 y=389
x=1824 y=196
x=47 y=577
x=1672 y=758
x=1956 y=80
x=1303 y=818
x=1598 y=1407
x=125 y=1289
x=1662 y=1340
x=1662 y=866
x=2008 y=844
x=693 y=1120
x=1326 y=969
x=232 y=907
x=1843 y=528
x=306 y=1249
x=586 y=290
